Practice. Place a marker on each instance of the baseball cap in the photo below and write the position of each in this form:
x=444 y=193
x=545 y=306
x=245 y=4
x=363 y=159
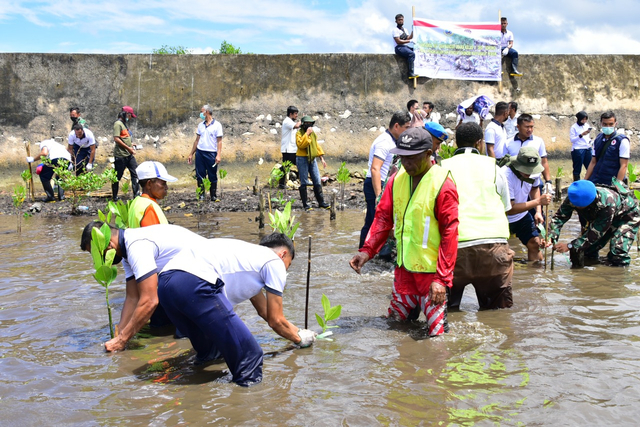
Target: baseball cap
x=413 y=141
x=582 y=193
x=527 y=162
x=437 y=130
x=151 y=170
x=129 y=110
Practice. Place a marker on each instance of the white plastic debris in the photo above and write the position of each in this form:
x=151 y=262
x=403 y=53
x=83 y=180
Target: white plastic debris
x=344 y=115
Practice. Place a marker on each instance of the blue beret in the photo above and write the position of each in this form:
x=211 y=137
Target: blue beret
x=582 y=193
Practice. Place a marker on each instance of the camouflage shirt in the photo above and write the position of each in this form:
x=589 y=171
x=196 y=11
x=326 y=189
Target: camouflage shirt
x=600 y=215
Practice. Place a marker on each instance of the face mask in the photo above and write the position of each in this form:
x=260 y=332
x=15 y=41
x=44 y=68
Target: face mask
x=127 y=119
x=202 y=116
x=74 y=119
x=608 y=130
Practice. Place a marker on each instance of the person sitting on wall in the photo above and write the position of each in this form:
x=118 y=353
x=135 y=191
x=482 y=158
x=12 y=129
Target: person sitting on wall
x=506 y=44
x=612 y=216
x=402 y=40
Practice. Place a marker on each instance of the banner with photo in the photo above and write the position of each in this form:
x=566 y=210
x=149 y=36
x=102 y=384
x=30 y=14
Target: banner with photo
x=460 y=51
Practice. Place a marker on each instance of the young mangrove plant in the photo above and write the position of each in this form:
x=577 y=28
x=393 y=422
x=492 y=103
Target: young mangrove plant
x=77 y=187
x=446 y=151
x=223 y=174
x=330 y=313
x=19 y=195
x=284 y=222
x=119 y=210
x=27 y=178
x=201 y=193
x=286 y=167
x=275 y=176
x=343 y=178
x=103 y=263
x=279 y=199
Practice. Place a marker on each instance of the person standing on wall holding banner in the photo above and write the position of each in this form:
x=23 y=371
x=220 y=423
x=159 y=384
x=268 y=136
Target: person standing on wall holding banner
x=506 y=45
x=402 y=40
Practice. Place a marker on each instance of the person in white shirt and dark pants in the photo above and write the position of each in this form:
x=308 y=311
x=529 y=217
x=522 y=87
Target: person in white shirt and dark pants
x=581 y=145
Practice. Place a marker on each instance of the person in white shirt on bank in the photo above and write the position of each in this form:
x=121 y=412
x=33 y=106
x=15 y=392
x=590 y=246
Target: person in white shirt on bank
x=55 y=152
x=288 y=146
x=208 y=151
x=495 y=135
x=581 y=145
x=199 y=287
x=82 y=148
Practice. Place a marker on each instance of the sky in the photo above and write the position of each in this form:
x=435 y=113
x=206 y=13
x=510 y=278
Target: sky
x=288 y=26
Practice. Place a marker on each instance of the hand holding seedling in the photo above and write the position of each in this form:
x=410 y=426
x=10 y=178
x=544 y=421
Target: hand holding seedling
x=307 y=337
x=358 y=261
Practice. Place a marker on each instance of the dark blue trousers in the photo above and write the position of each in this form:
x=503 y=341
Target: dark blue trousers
x=407 y=53
x=206 y=167
x=81 y=158
x=581 y=157
x=370 y=198
x=202 y=312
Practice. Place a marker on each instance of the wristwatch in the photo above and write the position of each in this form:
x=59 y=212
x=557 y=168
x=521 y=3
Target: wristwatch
x=569 y=245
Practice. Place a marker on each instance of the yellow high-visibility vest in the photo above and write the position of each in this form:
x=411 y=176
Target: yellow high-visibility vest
x=480 y=212
x=416 y=227
x=139 y=206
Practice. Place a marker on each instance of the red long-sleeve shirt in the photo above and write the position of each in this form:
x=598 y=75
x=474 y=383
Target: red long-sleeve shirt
x=446 y=212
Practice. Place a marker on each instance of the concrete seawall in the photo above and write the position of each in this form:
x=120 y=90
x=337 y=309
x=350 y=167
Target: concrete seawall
x=352 y=96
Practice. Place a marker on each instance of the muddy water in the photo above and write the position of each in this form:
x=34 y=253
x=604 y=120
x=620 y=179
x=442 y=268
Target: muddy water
x=566 y=354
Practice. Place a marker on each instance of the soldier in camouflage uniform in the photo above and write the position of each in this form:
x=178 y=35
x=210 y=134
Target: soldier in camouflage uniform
x=612 y=216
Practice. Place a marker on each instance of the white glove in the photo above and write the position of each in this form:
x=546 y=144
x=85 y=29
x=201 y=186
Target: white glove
x=548 y=188
x=70 y=166
x=505 y=51
x=89 y=166
x=307 y=336
x=29 y=159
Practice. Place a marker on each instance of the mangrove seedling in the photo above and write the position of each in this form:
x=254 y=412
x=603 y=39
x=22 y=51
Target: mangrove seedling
x=633 y=174
x=330 y=313
x=560 y=173
x=125 y=187
x=77 y=187
x=283 y=222
x=26 y=177
x=279 y=199
x=201 y=192
x=275 y=176
x=103 y=263
x=19 y=195
x=120 y=211
x=343 y=178
x=286 y=166
x=223 y=174
x=446 y=151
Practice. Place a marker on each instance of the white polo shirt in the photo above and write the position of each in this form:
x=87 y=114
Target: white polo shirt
x=245 y=268
x=496 y=135
x=55 y=150
x=148 y=249
x=396 y=32
x=473 y=118
x=84 y=142
x=514 y=144
x=209 y=136
x=288 y=142
x=579 y=142
x=381 y=148
x=518 y=191
x=505 y=38
x=510 y=126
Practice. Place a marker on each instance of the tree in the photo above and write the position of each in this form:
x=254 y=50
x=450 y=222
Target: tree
x=172 y=50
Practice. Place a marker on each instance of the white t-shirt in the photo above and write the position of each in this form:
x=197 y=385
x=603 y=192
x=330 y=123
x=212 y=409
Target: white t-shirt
x=579 y=142
x=148 y=249
x=209 y=136
x=245 y=268
x=496 y=135
x=381 y=148
x=288 y=143
x=55 y=150
x=518 y=191
x=510 y=126
x=85 y=142
x=397 y=33
x=514 y=145
x=473 y=118
x=505 y=38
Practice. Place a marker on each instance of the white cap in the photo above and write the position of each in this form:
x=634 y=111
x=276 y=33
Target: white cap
x=151 y=170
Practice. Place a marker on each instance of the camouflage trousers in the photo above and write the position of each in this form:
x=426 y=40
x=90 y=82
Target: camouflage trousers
x=620 y=237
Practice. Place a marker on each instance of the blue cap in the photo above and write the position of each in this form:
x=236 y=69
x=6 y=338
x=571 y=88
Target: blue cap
x=582 y=193
x=436 y=130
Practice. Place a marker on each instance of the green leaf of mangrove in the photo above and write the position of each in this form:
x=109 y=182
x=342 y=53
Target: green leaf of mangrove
x=326 y=305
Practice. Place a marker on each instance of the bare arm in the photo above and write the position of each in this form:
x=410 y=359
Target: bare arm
x=490 y=150
x=623 y=169
x=92 y=156
x=146 y=304
x=130 y=302
x=536 y=201
x=376 y=179
x=277 y=321
x=260 y=304
x=590 y=168
x=219 y=149
x=193 y=149
x=546 y=174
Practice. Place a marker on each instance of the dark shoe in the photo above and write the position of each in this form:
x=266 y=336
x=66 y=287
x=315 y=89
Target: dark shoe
x=115 y=199
x=49 y=200
x=214 y=198
x=317 y=190
x=307 y=208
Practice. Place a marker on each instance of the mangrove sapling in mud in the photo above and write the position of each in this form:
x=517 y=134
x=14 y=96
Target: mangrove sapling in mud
x=27 y=177
x=119 y=210
x=279 y=199
x=77 y=187
x=283 y=222
x=223 y=174
x=343 y=178
x=330 y=313
x=103 y=257
x=19 y=195
x=125 y=187
x=275 y=176
x=201 y=192
x=286 y=166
